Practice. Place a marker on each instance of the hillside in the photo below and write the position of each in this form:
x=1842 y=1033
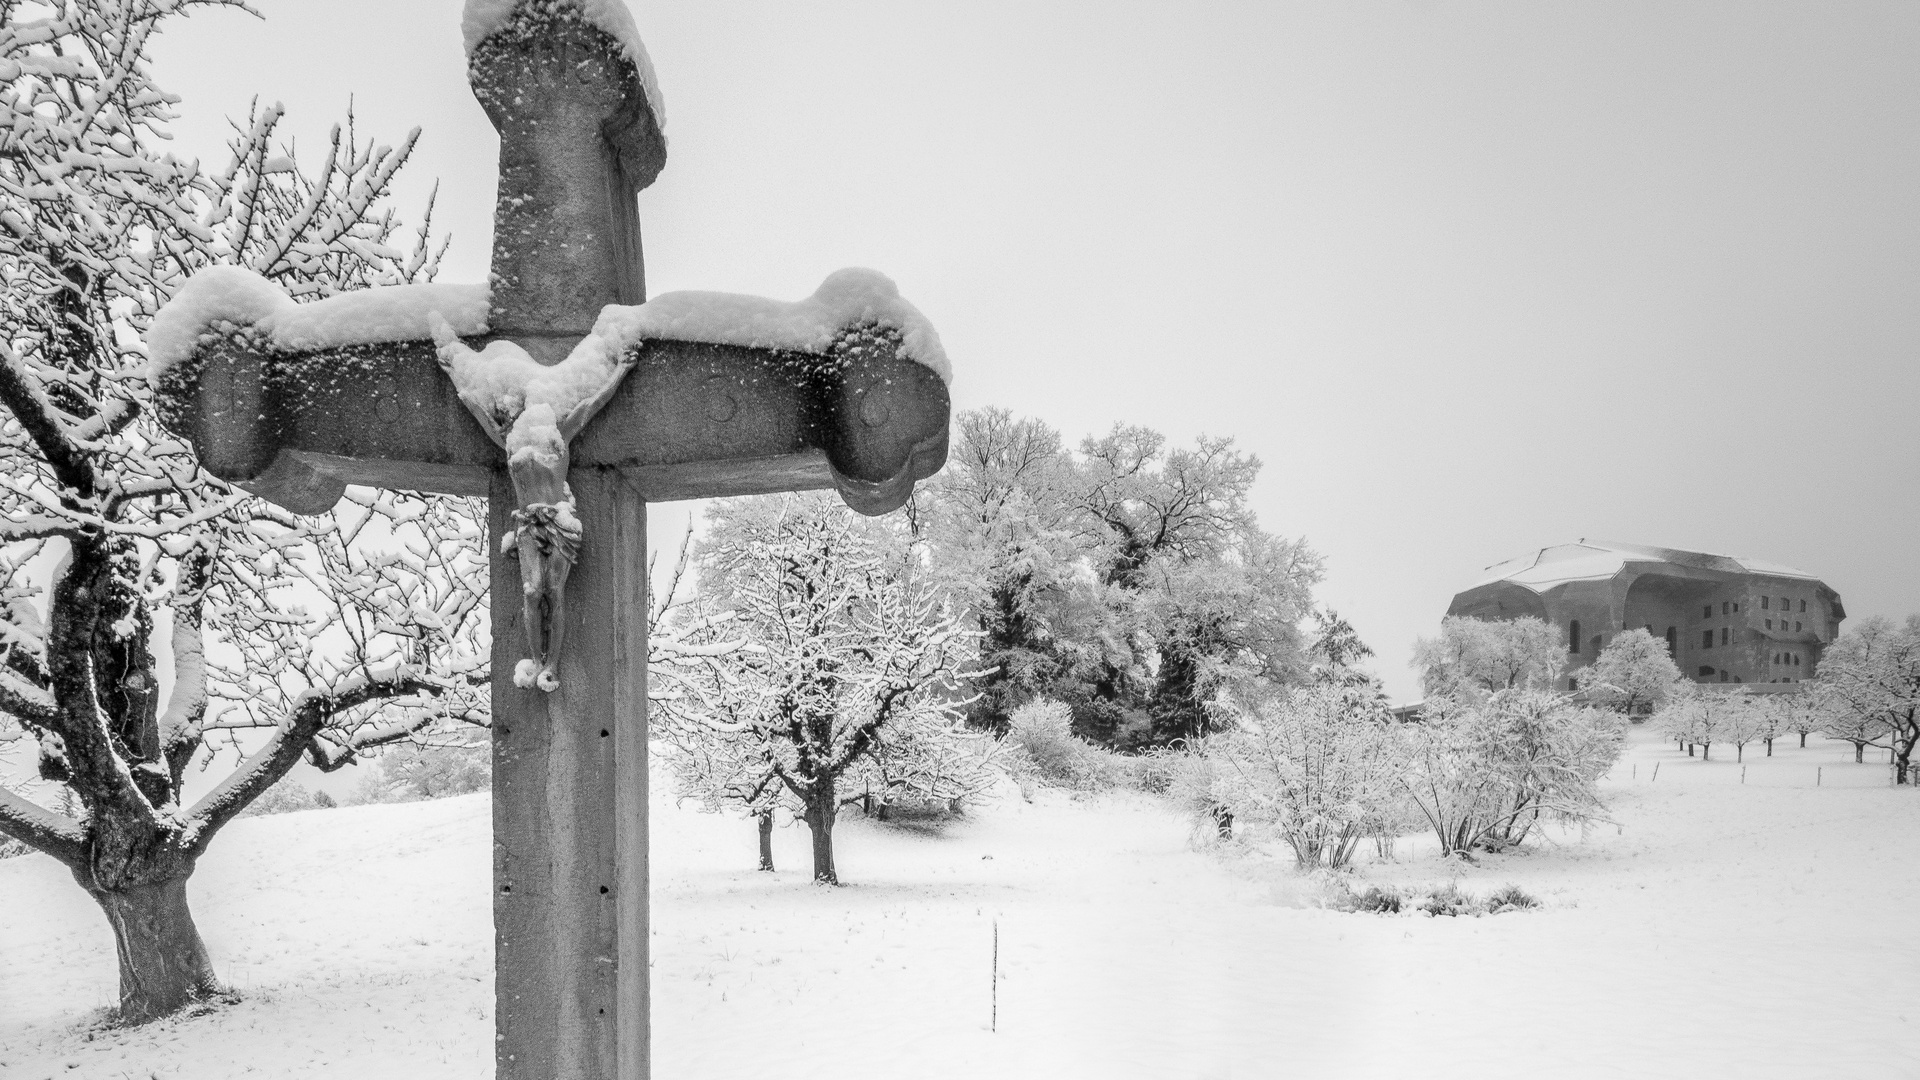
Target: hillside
x=1722 y=929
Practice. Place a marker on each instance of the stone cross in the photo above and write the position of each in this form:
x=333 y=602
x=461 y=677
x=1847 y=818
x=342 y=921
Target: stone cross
x=680 y=419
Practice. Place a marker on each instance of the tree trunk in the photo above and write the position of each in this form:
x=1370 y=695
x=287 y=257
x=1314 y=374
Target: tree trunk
x=1223 y=822
x=1900 y=775
x=1859 y=753
x=765 y=821
x=1769 y=747
x=1803 y=740
x=1706 y=751
x=1689 y=749
x=820 y=817
x=1740 y=752
x=163 y=963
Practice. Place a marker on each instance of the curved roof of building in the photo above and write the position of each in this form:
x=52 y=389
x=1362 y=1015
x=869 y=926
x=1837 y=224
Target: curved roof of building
x=1601 y=560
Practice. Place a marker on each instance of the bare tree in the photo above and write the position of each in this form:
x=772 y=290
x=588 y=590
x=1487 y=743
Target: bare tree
x=323 y=636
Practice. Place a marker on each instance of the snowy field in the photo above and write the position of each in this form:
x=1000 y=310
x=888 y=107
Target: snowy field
x=1721 y=928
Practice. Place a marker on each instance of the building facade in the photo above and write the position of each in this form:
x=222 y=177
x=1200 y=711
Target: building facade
x=1723 y=619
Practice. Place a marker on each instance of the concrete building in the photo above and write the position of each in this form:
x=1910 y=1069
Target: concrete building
x=1723 y=619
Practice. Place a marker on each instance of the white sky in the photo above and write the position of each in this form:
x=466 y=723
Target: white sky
x=1470 y=278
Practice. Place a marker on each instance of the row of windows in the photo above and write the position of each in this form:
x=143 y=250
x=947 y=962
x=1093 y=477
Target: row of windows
x=1707 y=673
x=1783 y=625
x=1785 y=604
x=1706 y=637
x=1787 y=659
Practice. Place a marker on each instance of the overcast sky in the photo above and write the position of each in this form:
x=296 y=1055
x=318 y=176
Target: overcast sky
x=1470 y=278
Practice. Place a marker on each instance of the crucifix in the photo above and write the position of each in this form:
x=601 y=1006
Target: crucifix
x=570 y=402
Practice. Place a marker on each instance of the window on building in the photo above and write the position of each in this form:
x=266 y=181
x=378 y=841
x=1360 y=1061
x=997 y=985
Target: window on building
x=1706 y=639
x=1706 y=672
x=1763 y=603
x=1573 y=683
x=1796 y=628
x=1708 y=613
x=1786 y=604
x=1593 y=643
x=1723 y=676
x=1723 y=635
x=1769 y=624
x=1725 y=607
x=1673 y=642
x=1803 y=605
x=1736 y=609
x=1573 y=636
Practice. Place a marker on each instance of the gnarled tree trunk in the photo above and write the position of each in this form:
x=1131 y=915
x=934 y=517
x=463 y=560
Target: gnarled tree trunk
x=163 y=963
x=764 y=819
x=821 y=808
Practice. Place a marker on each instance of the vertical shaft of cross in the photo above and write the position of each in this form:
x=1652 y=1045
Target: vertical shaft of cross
x=569 y=809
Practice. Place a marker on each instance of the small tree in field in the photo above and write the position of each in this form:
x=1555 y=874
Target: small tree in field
x=851 y=672
x=322 y=636
x=1485 y=770
x=1751 y=720
x=1314 y=763
x=1633 y=674
x=1702 y=715
x=1870 y=679
x=1803 y=713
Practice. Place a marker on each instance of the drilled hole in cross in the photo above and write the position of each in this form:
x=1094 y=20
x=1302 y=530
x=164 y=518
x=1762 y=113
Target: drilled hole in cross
x=603 y=733
x=603 y=890
x=506 y=888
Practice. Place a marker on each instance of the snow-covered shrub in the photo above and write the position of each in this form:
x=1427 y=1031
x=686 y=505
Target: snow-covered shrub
x=12 y=849
x=1378 y=899
x=1483 y=771
x=1509 y=898
x=1447 y=900
x=1045 y=750
x=1315 y=765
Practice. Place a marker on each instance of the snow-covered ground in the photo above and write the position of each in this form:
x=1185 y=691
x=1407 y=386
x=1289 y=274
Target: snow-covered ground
x=1720 y=929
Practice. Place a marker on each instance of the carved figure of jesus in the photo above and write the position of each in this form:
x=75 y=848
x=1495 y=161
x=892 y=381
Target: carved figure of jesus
x=533 y=411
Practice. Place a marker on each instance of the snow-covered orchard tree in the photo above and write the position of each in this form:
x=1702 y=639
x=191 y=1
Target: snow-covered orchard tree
x=1870 y=680
x=1315 y=763
x=1700 y=715
x=1483 y=770
x=1803 y=713
x=124 y=570
x=1633 y=674
x=852 y=676
x=1478 y=657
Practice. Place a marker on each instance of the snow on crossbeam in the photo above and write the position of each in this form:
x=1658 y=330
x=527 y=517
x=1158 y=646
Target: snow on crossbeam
x=232 y=296
x=294 y=401
x=848 y=299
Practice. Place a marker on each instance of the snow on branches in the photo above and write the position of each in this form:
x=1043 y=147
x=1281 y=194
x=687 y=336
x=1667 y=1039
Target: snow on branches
x=850 y=683
x=125 y=572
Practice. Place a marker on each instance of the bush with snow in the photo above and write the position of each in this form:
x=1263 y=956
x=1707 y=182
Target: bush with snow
x=1483 y=771
x=1045 y=751
x=1315 y=765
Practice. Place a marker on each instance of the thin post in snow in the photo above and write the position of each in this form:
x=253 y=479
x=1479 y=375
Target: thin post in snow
x=1743 y=774
x=1818 y=769
x=1636 y=771
x=994 y=1023
x=1656 y=772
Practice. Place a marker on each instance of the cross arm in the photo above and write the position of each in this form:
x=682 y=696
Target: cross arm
x=692 y=420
